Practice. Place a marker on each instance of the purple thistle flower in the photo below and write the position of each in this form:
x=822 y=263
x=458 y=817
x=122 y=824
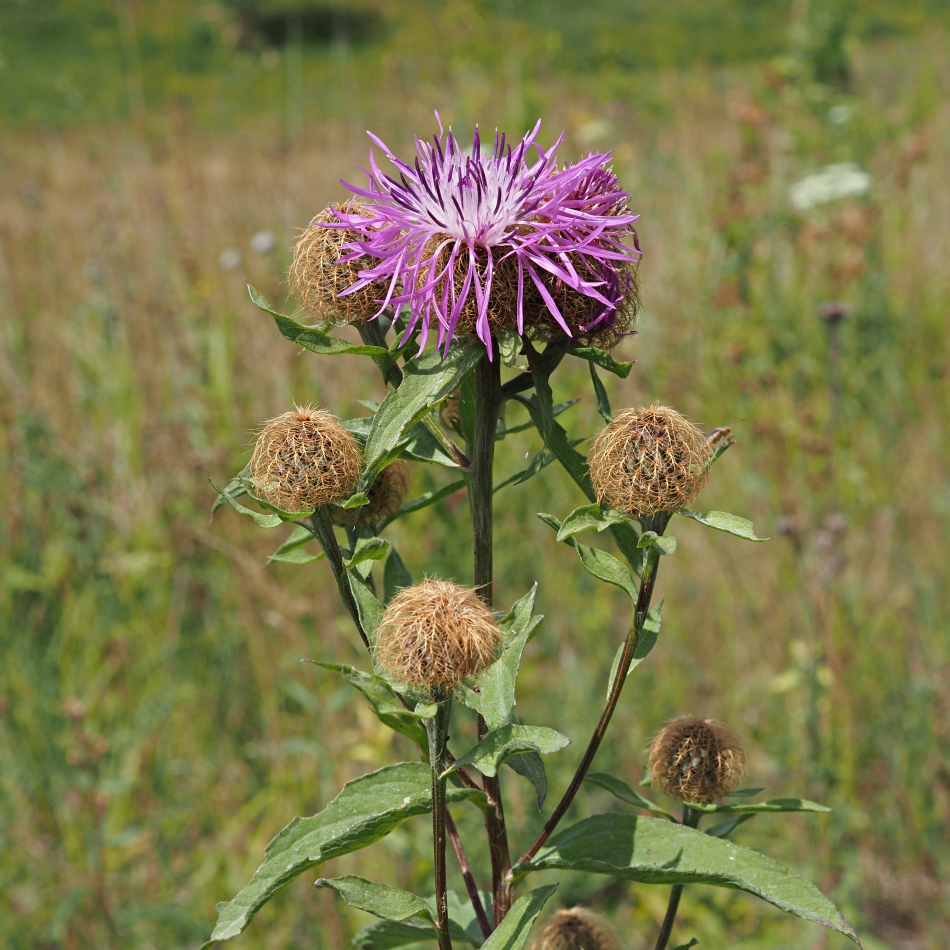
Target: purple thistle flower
x=441 y=229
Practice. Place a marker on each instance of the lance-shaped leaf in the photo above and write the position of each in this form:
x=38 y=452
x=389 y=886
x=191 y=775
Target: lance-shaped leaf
x=368 y=549
x=598 y=563
x=723 y=521
x=427 y=379
x=504 y=430
x=313 y=338
x=235 y=488
x=587 y=517
x=420 y=444
x=624 y=792
x=494 y=692
x=367 y=809
x=504 y=742
x=648 y=638
x=603 y=403
x=395 y=575
x=513 y=931
x=370 y=610
x=463 y=925
x=384 y=701
x=773 y=805
x=261 y=519
x=429 y=498
x=651 y=851
x=601 y=358
x=292 y=550
x=381 y=900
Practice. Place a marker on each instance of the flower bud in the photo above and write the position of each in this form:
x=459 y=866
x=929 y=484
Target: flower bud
x=649 y=460
x=385 y=496
x=304 y=459
x=576 y=929
x=317 y=277
x=436 y=635
x=696 y=760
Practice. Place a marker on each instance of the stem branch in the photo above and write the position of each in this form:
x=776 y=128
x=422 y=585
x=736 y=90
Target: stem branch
x=467 y=875
x=645 y=594
x=691 y=820
x=437 y=729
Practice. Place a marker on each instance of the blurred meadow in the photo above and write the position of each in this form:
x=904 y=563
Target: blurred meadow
x=156 y=725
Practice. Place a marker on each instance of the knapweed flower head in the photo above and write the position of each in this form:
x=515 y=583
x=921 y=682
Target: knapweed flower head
x=696 y=760
x=576 y=929
x=500 y=238
x=385 y=496
x=304 y=459
x=317 y=275
x=649 y=460
x=435 y=635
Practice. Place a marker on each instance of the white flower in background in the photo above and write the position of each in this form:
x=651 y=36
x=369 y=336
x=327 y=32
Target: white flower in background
x=229 y=259
x=841 y=180
x=264 y=242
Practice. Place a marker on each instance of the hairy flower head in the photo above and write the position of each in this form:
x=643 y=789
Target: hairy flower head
x=463 y=241
x=696 y=760
x=576 y=929
x=385 y=496
x=649 y=460
x=435 y=635
x=304 y=459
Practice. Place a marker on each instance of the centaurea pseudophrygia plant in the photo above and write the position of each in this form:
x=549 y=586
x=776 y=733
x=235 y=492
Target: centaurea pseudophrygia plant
x=514 y=261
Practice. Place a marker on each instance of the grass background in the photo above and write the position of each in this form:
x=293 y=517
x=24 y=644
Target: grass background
x=156 y=726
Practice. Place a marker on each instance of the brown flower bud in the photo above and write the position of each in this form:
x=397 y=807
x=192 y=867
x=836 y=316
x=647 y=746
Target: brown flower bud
x=436 y=635
x=576 y=929
x=696 y=760
x=304 y=459
x=649 y=460
x=317 y=277
x=385 y=496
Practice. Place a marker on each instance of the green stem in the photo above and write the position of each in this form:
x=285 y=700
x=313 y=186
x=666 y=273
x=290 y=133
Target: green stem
x=437 y=729
x=323 y=529
x=488 y=401
x=644 y=596
x=691 y=819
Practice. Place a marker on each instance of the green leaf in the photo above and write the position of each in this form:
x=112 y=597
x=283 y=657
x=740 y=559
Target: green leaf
x=429 y=498
x=262 y=520
x=420 y=444
x=594 y=516
x=624 y=792
x=356 y=500
x=395 y=575
x=773 y=805
x=603 y=359
x=745 y=792
x=664 y=543
x=466 y=409
x=637 y=848
x=725 y=828
x=494 y=693
x=368 y=549
x=513 y=931
x=723 y=521
x=509 y=345
x=370 y=610
x=463 y=926
x=427 y=379
x=558 y=409
x=311 y=337
x=235 y=488
x=367 y=809
x=598 y=563
x=386 y=704
x=648 y=638
x=530 y=765
x=292 y=550
x=505 y=741
x=381 y=900
x=603 y=403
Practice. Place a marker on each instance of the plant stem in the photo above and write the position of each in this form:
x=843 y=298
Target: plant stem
x=645 y=594
x=437 y=729
x=323 y=529
x=691 y=819
x=487 y=404
x=467 y=876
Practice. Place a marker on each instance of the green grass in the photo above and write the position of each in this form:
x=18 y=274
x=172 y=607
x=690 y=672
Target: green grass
x=132 y=368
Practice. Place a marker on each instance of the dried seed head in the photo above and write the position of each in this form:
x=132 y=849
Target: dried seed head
x=436 y=635
x=649 y=460
x=317 y=277
x=385 y=497
x=696 y=760
x=304 y=459
x=576 y=929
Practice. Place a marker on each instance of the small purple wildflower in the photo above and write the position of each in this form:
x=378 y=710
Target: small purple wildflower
x=452 y=214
